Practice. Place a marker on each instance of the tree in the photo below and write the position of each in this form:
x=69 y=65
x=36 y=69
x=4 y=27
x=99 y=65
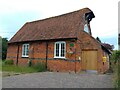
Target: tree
x=4 y=48
x=116 y=56
x=108 y=46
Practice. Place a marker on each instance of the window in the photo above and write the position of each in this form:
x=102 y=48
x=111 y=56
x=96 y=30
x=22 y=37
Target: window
x=25 y=50
x=59 y=49
x=86 y=29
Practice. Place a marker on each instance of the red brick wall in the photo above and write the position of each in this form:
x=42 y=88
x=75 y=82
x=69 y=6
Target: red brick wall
x=105 y=64
x=37 y=53
x=87 y=42
x=67 y=64
x=12 y=52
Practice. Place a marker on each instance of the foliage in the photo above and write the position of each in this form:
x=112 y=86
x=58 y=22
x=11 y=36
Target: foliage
x=115 y=59
x=118 y=80
x=115 y=56
x=108 y=46
x=0 y=65
x=4 y=48
x=9 y=62
x=40 y=67
x=29 y=63
x=116 y=76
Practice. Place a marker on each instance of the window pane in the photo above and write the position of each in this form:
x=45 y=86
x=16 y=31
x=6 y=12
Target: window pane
x=86 y=28
x=57 y=50
x=23 y=49
x=27 y=47
x=62 y=49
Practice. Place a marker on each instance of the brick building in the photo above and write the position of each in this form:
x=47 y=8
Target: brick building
x=64 y=43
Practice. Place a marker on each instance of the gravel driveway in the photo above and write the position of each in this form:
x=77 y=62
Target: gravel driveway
x=58 y=80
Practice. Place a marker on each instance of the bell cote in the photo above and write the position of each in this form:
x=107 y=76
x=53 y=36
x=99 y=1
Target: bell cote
x=88 y=17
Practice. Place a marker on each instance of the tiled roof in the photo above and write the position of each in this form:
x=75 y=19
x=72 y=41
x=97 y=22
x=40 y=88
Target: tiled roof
x=58 y=27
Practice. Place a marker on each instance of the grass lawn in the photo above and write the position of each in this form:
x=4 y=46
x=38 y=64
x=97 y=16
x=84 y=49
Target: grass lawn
x=19 y=69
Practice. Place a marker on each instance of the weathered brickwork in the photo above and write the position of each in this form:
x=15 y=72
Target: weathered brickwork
x=89 y=43
x=37 y=53
x=12 y=52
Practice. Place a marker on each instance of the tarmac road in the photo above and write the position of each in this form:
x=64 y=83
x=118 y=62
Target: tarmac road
x=58 y=80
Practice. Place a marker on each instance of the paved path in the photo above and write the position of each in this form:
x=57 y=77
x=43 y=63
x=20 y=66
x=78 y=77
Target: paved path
x=58 y=80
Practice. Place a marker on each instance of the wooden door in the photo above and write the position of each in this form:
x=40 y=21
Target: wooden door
x=89 y=60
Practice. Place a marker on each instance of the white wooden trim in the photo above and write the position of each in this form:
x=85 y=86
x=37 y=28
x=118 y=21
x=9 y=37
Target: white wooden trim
x=23 y=50
x=59 y=42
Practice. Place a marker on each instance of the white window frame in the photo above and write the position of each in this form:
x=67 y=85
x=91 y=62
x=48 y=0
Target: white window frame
x=59 y=42
x=24 y=49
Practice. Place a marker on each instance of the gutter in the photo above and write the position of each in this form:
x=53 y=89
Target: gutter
x=17 y=55
x=46 y=53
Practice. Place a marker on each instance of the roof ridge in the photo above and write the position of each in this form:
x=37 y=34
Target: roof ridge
x=58 y=15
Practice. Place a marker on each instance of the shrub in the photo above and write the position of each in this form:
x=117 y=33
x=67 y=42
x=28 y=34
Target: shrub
x=29 y=63
x=40 y=67
x=115 y=56
x=9 y=62
x=117 y=76
x=4 y=47
x=115 y=59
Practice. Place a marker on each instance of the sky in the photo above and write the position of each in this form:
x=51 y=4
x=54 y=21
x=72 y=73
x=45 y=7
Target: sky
x=15 y=13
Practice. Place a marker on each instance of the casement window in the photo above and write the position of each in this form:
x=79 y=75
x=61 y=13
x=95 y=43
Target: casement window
x=86 y=29
x=60 y=49
x=25 y=50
